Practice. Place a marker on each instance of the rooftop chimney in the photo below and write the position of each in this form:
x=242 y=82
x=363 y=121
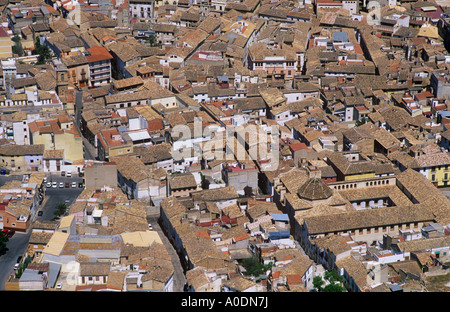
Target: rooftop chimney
x=314 y=172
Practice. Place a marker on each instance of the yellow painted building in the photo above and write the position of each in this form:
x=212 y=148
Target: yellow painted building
x=5 y=44
x=351 y=165
x=54 y=137
x=435 y=167
x=359 y=176
x=111 y=143
x=70 y=143
x=21 y=158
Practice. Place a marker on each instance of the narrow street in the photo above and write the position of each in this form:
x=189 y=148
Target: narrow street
x=16 y=247
x=179 y=279
x=89 y=150
x=18 y=243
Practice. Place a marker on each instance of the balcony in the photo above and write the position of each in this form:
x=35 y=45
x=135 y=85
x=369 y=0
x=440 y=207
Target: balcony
x=94 y=66
x=94 y=78
x=101 y=71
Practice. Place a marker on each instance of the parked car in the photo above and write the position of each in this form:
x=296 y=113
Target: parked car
x=69 y=174
x=67 y=184
x=63 y=173
x=8 y=233
x=61 y=184
x=74 y=184
x=59 y=285
x=16 y=266
x=54 y=184
x=40 y=213
x=80 y=185
x=49 y=184
x=45 y=180
x=81 y=174
x=150 y=227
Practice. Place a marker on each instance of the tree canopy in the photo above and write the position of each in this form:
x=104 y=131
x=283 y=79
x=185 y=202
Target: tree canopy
x=42 y=51
x=334 y=282
x=254 y=267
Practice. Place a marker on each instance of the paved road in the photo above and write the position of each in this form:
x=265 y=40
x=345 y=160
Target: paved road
x=18 y=244
x=89 y=150
x=78 y=107
x=445 y=191
x=179 y=279
x=55 y=195
x=7 y=178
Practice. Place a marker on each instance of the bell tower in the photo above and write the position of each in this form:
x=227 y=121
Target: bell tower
x=62 y=78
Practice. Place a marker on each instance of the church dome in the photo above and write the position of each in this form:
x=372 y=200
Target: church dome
x=314 y=189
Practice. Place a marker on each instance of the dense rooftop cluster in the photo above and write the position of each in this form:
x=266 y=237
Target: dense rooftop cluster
x=308 y=135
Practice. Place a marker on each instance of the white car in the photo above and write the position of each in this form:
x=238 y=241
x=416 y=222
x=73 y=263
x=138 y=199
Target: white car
x=59 y=285
x=16 y=266
x=49 y=184
x=61 y=184
x=54 y=184
x=150 y=227
x=74 y=184
x=68 y=174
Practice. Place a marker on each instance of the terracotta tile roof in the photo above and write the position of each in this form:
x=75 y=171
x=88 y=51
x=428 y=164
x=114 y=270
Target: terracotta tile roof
x=98 y=53
x=94 y=269
x=430 y=160
x=54 y=154
x=368 y=218
x=355 y=269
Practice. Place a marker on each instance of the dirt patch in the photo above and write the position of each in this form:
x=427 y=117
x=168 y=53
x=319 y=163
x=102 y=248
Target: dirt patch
x=438 y=283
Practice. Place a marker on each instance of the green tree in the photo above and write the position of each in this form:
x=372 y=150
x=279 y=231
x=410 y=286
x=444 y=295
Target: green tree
x=318 y=283
x=254 y=267
x=23 y=266
x=334 y=279
x=333 y=288
x=42 y=51
x=61 y=208
x=152 y=40
x=333 y=276
x=17 y=47
x=205 y=182
x=3 y=240
x=362 y=121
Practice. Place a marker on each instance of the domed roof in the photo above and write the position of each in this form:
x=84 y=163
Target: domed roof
x=314 y=189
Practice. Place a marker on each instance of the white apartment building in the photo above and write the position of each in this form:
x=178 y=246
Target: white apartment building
x=142 y=9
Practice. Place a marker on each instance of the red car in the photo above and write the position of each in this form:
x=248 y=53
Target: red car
x=67 y=184
x=8 y=233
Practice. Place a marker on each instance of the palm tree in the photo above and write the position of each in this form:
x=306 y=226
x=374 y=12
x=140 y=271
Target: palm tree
x=61 y=208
